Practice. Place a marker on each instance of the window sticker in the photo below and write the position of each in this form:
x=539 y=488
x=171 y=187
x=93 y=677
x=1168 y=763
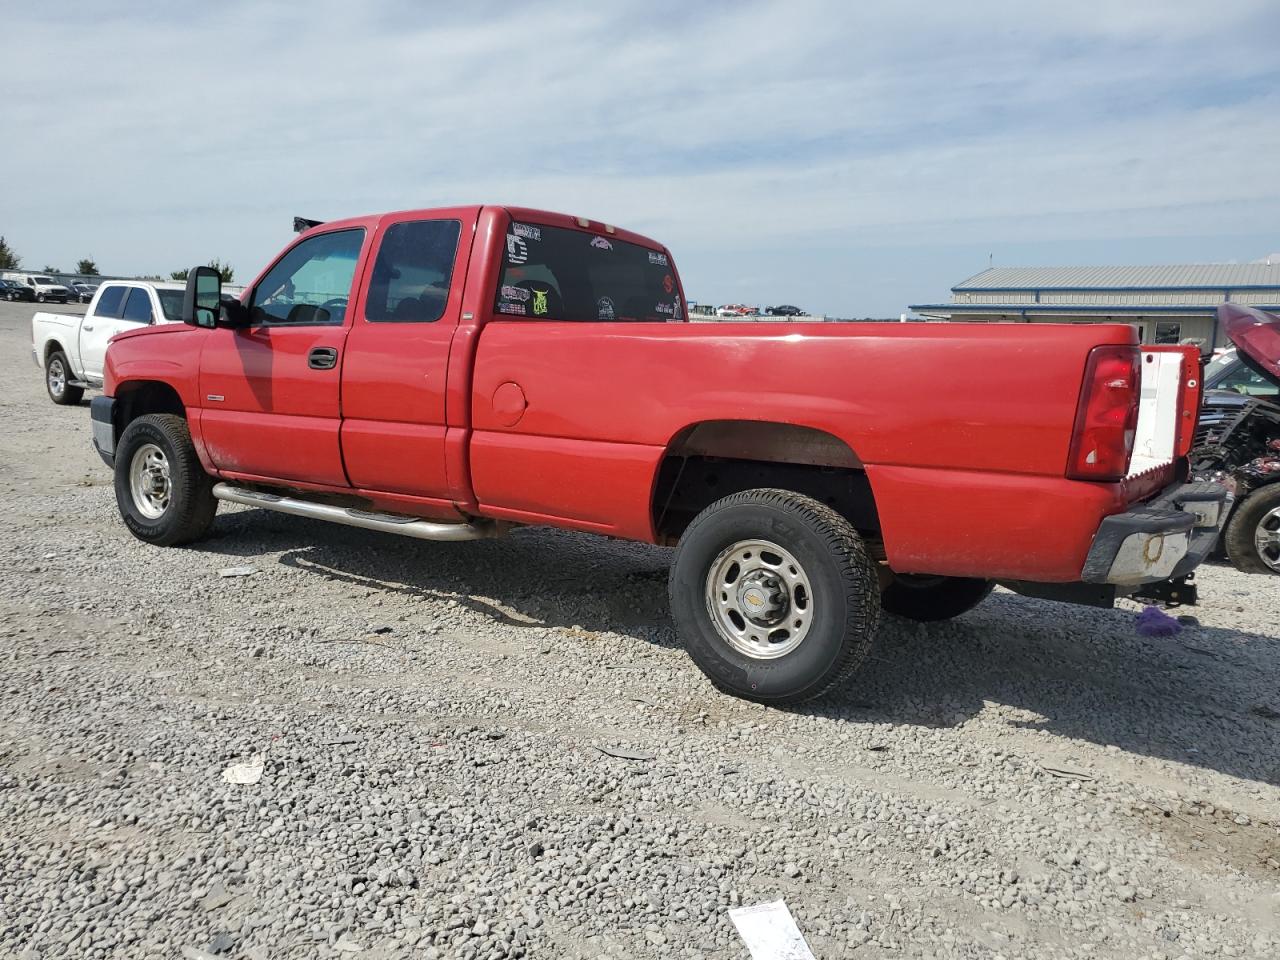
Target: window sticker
x=667 y=308
x=516 y=308
x=604 y=309
x=526 y=231
x=668 y=284
x=517 y=249
x=600 y=243
x=518 y=294
x=539 y=303
x=659 y=258
x=678 y=315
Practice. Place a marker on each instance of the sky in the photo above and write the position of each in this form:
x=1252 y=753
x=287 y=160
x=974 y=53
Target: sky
x=849 y=158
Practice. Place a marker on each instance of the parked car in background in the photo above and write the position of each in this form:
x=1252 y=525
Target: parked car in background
x=82 y=291
x=13 y=290
x=448 y=374
x=70 y=348
x=785 y=310
x=1237 y=443
x=46 y=289
x=733 y=310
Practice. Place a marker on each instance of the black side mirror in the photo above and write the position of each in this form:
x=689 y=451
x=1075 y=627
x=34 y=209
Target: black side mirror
x=203 y=295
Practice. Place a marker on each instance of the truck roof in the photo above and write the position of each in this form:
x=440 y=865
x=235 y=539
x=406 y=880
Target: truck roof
x=524 y=214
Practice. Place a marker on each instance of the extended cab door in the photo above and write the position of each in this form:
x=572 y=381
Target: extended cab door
x=394 y=372
x=269 y=391
x=118 y=307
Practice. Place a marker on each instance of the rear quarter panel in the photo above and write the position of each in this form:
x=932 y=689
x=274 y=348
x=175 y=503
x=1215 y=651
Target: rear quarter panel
x=60 y=328
x=963 y=430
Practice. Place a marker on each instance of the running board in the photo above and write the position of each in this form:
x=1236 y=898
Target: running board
x=385 y=522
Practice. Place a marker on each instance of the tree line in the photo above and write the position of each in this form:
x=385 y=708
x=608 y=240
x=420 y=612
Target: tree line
x=9 y=260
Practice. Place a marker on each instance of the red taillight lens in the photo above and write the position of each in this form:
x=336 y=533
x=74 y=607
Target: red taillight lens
x=1107 y=416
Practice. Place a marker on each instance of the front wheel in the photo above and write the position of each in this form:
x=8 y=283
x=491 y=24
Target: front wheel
x=39 y=298
x=163 y=493
x=930 y=599
x=1253 y=535
x=774 y=595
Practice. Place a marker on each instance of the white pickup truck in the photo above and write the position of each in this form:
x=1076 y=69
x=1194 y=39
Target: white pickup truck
x=71 y=348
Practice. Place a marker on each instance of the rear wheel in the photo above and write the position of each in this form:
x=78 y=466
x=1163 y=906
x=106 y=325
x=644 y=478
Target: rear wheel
x=774 y=596
x=57 y=380
x=930 y=599
x=163 y=493
x=1253 y=535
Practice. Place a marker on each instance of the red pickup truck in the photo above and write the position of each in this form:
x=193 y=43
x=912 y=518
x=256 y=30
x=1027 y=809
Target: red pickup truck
x=447 y=374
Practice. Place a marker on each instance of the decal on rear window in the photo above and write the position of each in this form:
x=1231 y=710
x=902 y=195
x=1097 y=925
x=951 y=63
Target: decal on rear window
x=558 y=273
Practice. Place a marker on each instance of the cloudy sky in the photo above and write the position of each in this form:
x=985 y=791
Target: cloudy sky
x=849 y=159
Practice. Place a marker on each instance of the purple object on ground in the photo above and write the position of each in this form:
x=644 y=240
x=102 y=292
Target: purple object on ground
x=1154 y=622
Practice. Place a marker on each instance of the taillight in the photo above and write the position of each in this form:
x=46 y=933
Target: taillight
x=1107 y=416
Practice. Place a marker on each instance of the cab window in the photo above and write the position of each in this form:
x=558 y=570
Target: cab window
x=110 y=302
x=411 y=276
x=311 y=283
x=137 y=307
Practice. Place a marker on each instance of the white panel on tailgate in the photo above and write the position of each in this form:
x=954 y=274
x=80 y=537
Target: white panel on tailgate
x=1158 y=413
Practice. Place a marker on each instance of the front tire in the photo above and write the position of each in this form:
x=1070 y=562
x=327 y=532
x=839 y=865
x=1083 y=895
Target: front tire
x=930 y=599
x=57 y=380
x=774 y=595
x=1253 y=534
x=164 y=495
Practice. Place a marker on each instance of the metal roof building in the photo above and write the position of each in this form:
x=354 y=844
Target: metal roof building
x=1168 y=304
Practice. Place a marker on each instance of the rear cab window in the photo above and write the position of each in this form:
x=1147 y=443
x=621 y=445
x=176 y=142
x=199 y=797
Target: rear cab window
x=110 y=302
x=557 y=273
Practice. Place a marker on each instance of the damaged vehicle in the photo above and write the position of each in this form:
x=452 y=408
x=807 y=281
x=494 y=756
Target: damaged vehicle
x=1237 y=443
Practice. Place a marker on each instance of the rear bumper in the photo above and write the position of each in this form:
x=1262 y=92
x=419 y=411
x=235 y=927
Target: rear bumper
x=1161 y=540
x=102 y=411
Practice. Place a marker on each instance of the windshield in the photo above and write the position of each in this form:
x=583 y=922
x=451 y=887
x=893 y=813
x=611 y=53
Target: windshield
x=171 y=303
x=1218 y=367
x=47 y=281
x=554 y=273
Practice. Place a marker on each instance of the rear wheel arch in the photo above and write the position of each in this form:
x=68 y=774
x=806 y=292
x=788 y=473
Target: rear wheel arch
x=711 y=459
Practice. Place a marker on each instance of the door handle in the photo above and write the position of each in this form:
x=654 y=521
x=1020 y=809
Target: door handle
x=86 y=328
x=322 y=358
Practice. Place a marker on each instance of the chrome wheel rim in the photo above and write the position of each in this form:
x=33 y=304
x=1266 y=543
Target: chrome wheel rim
x=759 y=598
x=149 y=481
x=1266 y=539
x=57 y=377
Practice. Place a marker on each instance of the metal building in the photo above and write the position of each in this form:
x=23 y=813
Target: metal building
x=1168 y=304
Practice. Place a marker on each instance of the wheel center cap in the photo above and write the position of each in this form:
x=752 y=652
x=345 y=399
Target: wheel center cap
x=762 y=598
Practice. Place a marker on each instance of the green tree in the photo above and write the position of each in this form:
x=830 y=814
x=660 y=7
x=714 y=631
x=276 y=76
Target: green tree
x=49 y=269
x=8 y=259
x=179 y=275
x=87 y=267
x=225 y=270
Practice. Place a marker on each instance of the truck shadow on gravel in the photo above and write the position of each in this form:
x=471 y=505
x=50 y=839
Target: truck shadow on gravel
x=1207 y=697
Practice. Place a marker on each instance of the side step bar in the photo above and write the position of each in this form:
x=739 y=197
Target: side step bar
x=385 y=522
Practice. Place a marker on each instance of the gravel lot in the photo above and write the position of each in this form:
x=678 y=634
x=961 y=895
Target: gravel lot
x=1031 y=780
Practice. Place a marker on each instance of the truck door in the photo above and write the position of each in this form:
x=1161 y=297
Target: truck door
x=394 y=372
x=117 y=308
x=269 y=391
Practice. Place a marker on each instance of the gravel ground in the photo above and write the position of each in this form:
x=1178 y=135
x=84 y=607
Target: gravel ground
x=437 y=722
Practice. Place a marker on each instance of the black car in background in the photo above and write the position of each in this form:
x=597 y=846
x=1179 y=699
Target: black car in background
x=785 y=310
x=81 y=291
x=13 y=290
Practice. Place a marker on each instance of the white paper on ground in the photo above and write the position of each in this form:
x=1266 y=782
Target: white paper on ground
x=770 y=932
x=244 y=773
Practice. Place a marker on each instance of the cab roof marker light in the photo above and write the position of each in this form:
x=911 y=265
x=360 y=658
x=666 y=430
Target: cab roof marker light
x=610 y=228
x=584 y=222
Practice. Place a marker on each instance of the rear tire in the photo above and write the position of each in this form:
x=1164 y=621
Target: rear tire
x=57 y=380
x=930 y=599
x=1253 y=534
x=164 y=495
x=774 y=595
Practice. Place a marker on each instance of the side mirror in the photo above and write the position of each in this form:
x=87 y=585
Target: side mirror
x=203 y=295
